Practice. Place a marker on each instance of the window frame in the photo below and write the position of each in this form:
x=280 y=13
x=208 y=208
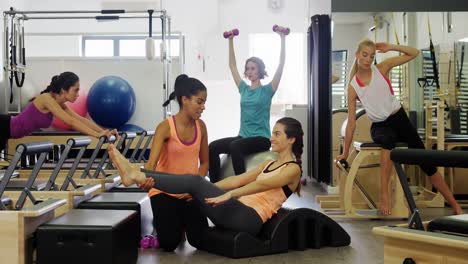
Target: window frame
x=117 y=38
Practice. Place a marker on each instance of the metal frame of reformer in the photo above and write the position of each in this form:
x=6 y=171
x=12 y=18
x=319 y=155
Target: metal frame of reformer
x=19 y=224
x=91 y=162
x=411 y=241
x=148 y=135
x=81 y=191
x=104 y=162
x=14 y=20
x=87 y=177
x=73 y=197
x=32 y=148
x=86 y=165
x=128 y=144
x=455 y=159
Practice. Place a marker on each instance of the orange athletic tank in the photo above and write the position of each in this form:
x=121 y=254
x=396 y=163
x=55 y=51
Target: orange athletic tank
x=268 y=202
x=177 y=156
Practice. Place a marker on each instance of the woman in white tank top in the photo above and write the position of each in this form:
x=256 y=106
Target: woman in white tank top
x=370 y=84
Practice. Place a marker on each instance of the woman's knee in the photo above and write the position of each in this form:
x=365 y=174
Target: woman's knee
x=169 y=243
x=416 y=143
x=266 y=144
x=213 y=148
x=388 y=142
x=235 y=148
x=194 y=180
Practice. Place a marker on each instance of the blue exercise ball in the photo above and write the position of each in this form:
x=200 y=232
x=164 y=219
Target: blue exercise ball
x=111 y=101
x=130 y=128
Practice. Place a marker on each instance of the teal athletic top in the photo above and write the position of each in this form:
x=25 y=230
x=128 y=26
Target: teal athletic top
x=255 y=110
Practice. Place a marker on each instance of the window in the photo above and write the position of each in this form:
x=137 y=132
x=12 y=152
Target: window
x=124 y=46
x=99 y=48
x=396 y=78
x=131 y=48
x=293 y=84
x=56 y=45
x=430 y=88
x=462 y=84
x=340 y=69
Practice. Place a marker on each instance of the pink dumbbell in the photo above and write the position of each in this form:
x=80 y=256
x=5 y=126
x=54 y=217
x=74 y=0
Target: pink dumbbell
x=284 y=30
x=230 y=33
x=149 y=241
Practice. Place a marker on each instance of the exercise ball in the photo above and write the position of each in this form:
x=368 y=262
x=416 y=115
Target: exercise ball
x=130 y=128
x=79 y=107
x=111 y=101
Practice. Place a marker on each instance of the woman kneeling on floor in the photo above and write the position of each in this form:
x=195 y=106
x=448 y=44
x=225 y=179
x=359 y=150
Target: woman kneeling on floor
x=239 y=203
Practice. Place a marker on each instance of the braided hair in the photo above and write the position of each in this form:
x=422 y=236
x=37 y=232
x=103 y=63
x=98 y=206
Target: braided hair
x=293 y=129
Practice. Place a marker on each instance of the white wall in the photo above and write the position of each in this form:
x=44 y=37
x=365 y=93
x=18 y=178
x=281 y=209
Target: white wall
x=222 y=109
x=440 y=36
x=319 y=7
x=146 y=84
x=439 y=29
x=202 y=23
x=345 y=37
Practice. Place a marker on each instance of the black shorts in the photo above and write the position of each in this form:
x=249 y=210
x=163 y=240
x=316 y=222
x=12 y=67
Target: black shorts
x=398 y=128
x=4 y=130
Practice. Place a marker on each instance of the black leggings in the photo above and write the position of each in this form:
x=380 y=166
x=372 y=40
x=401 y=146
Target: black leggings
x=237 y=147
x=232 y=215
x=398 y=128
x=172 y=216
x=4 y=131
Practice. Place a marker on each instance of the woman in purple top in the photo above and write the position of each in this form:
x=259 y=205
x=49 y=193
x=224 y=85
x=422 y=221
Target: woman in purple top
x=49 y=104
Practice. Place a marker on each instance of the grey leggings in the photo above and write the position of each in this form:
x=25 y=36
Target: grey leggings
x=232 y=215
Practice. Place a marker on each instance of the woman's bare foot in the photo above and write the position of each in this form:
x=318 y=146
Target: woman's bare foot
x=128 y=173
x=385 y=205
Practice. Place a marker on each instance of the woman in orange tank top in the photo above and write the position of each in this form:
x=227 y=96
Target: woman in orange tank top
x=180 y=146
x=240 y=203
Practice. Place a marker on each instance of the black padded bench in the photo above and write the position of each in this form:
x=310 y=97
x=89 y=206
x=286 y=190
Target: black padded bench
x=452 y=225
x=132 y=188
x=138 y=202
x=296 y=229
x=359 y=145
x=442 y=240
x=90 y=237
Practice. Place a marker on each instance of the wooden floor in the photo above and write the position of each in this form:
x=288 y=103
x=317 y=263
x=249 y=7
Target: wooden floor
x=364 y=248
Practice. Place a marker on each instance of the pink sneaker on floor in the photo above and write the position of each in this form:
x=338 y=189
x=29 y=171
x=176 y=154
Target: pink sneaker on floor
x=149 y=241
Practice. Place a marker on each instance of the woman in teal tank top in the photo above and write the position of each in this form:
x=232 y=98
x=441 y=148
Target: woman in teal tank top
x=255 y=103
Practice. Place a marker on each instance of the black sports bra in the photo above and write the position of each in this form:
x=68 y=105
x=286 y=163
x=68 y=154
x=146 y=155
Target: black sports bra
x=287 y=191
